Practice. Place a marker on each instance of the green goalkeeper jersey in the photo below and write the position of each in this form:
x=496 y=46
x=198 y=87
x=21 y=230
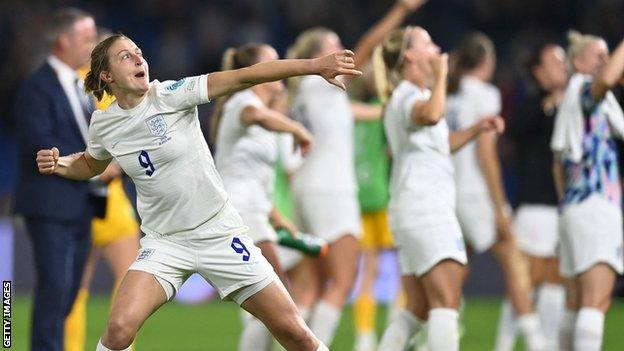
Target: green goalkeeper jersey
x=372 y=165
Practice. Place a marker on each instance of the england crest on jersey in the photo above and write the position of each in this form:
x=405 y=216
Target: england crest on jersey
x=157 y=125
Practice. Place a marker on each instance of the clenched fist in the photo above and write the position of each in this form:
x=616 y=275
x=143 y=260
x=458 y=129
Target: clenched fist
x=47 y=160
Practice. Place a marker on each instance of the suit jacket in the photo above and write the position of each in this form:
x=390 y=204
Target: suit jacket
x=44 y=119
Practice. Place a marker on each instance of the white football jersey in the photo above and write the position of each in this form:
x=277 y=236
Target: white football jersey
x=159 y=144
x=422 y=170
x=325 y=111
x=246 y=156
x=474 y=100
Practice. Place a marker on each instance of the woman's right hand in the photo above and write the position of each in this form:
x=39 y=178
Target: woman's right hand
x=439 y=65
x=303 y=139
x=336 y=64
x=47 y=160
x=492 y=123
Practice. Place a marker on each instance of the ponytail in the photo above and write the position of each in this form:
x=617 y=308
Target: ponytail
x=233 y=58
x=380 y=74
x=468 y=55
x=308 y=44
x=388 y=60
x=99 y=63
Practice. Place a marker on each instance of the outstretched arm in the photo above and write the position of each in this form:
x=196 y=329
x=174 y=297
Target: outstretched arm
x=277 y=122
x=366 y=112
x=376 y=34
x=393 y=18
x=457 y=140
x=79 y=166
x=330 y=66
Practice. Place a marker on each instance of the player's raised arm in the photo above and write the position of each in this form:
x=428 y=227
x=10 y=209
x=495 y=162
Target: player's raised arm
x=393 y=18
x=78 y=166
x=329 y=66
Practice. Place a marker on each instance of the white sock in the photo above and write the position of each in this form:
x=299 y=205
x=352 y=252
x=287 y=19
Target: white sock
x=255 y=336
x=530 y=326
x=443 y=329
x=101 y=347
x=566 y=330
x=322 y=347
x=400 y=331
x=365 y=341
x=550 y=307
x=324 y=321
x=588 y=330
x=506 y=334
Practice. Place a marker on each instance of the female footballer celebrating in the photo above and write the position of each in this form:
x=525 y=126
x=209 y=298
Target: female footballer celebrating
x=422 y=203
x=152 y=130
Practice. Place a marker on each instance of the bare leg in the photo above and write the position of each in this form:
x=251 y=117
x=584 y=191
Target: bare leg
x=139 y=295
x=120 y=254
x=274 y=307
x=442 y=285
x=515 y=269
x=341 y=265
x=596 y=286
x=305 y=279
x=270 y=253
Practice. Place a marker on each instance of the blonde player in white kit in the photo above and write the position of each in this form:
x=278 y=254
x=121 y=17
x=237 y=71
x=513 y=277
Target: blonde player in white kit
x=588 y=182
x=482 y=207
x=247 y=150
x=152 y=130
x=422 y=201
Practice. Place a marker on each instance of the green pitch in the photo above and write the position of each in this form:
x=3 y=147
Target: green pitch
x=215 y=326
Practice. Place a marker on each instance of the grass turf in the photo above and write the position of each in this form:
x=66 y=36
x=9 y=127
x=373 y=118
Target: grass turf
x=215 y=326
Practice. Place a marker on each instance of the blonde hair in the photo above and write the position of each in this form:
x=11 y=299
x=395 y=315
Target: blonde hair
x=307 y=45
x=233 y=58
x=577 y=44
x=99 y=63
x=388 y=60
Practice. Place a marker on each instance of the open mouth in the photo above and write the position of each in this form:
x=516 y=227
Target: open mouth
x=140 y=75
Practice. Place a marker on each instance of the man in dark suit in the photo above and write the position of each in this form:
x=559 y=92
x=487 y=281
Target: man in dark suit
x=53 y=110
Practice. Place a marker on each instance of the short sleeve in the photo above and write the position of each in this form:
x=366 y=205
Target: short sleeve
x=185 y=93
x=488 y=102
x=96 y=148
x=406 y=106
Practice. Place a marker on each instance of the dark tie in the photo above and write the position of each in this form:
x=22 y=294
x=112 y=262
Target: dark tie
x=86 y=101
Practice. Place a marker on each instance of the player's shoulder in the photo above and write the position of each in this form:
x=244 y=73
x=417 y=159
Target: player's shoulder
x=474 y=86
x=243 y=98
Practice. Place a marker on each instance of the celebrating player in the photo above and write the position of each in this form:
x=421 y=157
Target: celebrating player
x=482 y=206
x=588 y=182
x=422 y=203
x=152 y=130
